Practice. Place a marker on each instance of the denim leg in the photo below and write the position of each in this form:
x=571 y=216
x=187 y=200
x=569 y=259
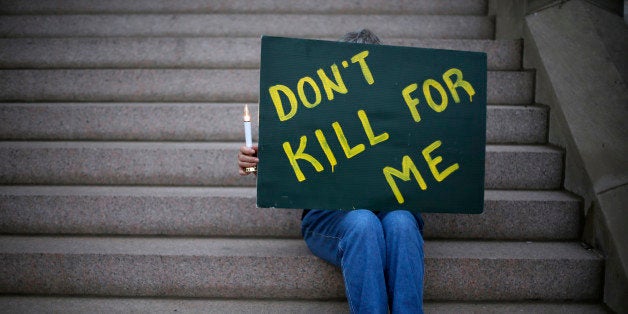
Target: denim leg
x=404 y=254
x=353 y=241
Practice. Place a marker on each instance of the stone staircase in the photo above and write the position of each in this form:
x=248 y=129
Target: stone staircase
x=119 y=126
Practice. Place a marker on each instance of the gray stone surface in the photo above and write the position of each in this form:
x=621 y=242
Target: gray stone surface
x=145 y=163
x=616 y=269
x=125 y=121
x=231 y=212
x=197 y=85
x=245 y=25
x=509 y=87
x=598 y=135
x=563 y=307
x=509 y=17
x=146 y=52
x=192 y=52
x=580 y=52
x=516 y=124
x=238 y=6
x=226 y=212
x=501 y=54
x=24 y=304
x=523 y=167
x=120 y=163
x=512 y=215
x=246 y=268
x=201 y=122
x=129 y=85
x=238 y=268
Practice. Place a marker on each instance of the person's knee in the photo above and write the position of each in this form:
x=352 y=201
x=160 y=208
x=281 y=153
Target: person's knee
x=363 y=222
x=364 y=236
x=400 y=221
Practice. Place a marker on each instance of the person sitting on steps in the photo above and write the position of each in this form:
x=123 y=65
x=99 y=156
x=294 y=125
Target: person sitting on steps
x=380 y=254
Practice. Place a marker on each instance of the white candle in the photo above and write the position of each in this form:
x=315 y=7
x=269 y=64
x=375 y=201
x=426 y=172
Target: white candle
x=247 y=127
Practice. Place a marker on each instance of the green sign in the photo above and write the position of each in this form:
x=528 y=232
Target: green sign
x=351 y=126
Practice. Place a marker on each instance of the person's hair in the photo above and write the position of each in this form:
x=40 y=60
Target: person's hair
x=364 y=36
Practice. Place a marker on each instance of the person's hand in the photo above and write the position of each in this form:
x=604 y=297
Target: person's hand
x=247 y=157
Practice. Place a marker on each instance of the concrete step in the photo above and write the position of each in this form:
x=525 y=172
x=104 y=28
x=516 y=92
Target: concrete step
x=456 y=7
x=143 y=163
x=284 y=269
x=186 y=52
x=163 y=85
x=201 y=122
x=231 y=212
x=245 y=25
x=28 y=304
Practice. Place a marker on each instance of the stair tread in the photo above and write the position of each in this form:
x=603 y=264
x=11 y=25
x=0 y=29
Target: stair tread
x=31 y=304
x=256 y=247
x=229 y=212
x=217 y=145
x=285 y=269
x=273 y=6
x=212 y=163
x=162 y=85
x=201 y=122
x=194 y=52
x=245 y=25
x=192 y=191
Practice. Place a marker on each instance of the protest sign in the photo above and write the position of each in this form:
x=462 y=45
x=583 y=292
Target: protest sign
x=349 y=126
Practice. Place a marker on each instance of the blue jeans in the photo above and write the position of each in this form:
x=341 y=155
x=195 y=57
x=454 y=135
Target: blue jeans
x=380 y=255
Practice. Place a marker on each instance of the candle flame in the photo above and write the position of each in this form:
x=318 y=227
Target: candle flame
x=247 y=115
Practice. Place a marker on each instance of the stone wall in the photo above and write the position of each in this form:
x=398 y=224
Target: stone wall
x=579 y=50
